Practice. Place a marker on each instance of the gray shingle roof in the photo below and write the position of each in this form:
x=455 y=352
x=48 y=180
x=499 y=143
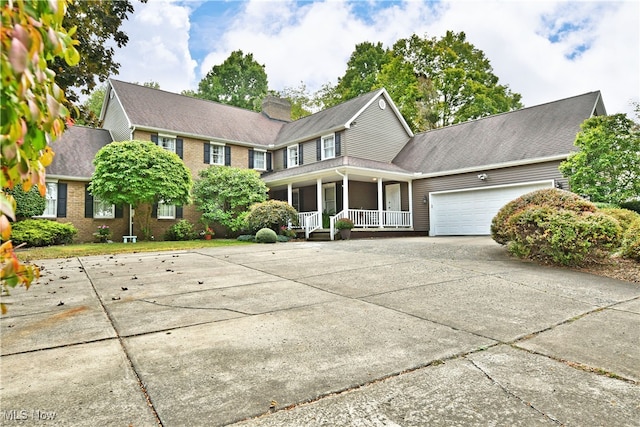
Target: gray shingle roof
x=541 y=131
x=75 y=150
x=325 y=120
x=332 y=164
x=158 y=109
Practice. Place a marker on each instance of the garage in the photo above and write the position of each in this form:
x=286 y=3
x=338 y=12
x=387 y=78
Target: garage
x=470 y=211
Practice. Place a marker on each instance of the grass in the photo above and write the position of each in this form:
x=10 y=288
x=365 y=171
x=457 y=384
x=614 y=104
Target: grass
x=88 y=249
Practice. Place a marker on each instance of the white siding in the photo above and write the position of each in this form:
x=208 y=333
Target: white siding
x=116 y=121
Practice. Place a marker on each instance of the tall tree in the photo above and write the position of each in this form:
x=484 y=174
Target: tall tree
x=460 y=77
x=363 y=68
x=92 y=107
x=32 y=114
x=607 y=167
x=98 y=29
x=140 y=173
x=239 y=81
x=300 y=98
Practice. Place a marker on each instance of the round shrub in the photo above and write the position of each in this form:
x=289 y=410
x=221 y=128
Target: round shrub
x=562 y=236
x=181 y=230
x=624 y=216
x=630 y=247
x=632 y=205
x=28 y=203
x=266 y=235
x=42 y=232
x=272 y=214
x=501 y=230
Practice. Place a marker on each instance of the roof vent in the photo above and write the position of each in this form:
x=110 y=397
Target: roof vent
x=276 y=108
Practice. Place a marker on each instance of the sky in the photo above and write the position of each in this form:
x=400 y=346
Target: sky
x=543 y=50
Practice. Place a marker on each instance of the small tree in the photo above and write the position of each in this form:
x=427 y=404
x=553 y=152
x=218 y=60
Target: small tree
x=224 y=194
x=607 y=167
x=273 y=214
x=140 y=173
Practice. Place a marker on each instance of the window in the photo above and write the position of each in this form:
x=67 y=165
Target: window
x=50 y=209
x=260 y=160
x=167 y=142
x=102 y=209
x=166 y=211
x=328 y=147
x=292 y=156
x=217 y=154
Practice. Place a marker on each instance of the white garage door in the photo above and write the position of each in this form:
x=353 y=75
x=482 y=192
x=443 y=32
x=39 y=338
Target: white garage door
x=469 y=212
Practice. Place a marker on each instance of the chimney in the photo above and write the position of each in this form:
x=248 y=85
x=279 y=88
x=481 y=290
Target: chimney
x=276 y=108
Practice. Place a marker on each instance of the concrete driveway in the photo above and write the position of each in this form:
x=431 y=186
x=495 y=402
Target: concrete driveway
x=388 y=332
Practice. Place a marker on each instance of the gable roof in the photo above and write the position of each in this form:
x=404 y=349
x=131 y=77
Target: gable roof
x=154 y=109
x=334 y=119
x=75 y=150
x=541 y=132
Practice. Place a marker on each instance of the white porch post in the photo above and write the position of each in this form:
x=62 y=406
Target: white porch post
x=319 y=197
x=380 y=207
x=410 y=183
x=345 y=194
x=290 y=194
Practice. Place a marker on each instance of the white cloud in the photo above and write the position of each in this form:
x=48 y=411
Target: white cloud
x=312 y=42
x=158 y=48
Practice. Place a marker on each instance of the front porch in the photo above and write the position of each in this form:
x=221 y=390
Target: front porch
x=364 y=221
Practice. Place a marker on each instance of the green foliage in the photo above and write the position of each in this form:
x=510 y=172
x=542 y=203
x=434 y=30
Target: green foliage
x=43 y=232
x=501 y=230
x=140 y=173
x=302 y=101
x=238 y=81
x=28 y=203
x=273 y=214
x=624 y=216
x=98 y=30
x=281 y=238
x=92 y=107
x=181 y=230
x=607 y=166
x=246 y=238
x=224 y=194
x=344 y=224
x=363 y=69
x=266 y=235
x=562 y=236
x=632 y=205
x=630 y=247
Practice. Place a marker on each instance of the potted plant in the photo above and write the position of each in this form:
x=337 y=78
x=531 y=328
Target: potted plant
x=207 y=233
x=344 y=225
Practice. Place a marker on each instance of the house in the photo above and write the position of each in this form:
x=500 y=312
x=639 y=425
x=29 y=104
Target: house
x=358 y=159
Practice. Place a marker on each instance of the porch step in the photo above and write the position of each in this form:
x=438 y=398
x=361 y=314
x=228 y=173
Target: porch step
x=320 y=236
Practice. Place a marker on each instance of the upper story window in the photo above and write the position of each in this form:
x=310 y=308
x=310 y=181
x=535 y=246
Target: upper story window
x=328 y=149
x=260 y=160
x=217 y=154
x=166 y=211
x=292 y=156
x=167 y=142
x=102 y=209
x=51 y=206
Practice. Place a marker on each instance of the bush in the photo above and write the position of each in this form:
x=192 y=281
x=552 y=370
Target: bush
x=42 y=232
x=246 y=238
x=630 y=247
x=632 y=205
x=562 y=236
x=181 y=230
x=266 y=235
x=271 y=214
x=625 y=217
x=28 y=203
x=501 y=231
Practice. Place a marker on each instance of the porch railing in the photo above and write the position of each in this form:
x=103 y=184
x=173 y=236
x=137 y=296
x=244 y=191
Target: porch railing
x=365 y=218
x=309 y=222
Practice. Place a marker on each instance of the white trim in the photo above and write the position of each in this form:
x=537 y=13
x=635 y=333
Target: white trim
x=289 y=147
x=254 y=160
x=216 y=144
x=322 y=147
x=390 y=102
x=167 y=135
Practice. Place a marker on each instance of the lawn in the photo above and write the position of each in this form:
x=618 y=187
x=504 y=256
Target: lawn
x=87 y=249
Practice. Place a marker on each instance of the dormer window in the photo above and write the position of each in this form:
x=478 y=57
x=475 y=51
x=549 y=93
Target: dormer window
x=292 y=156
x=328 y=148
